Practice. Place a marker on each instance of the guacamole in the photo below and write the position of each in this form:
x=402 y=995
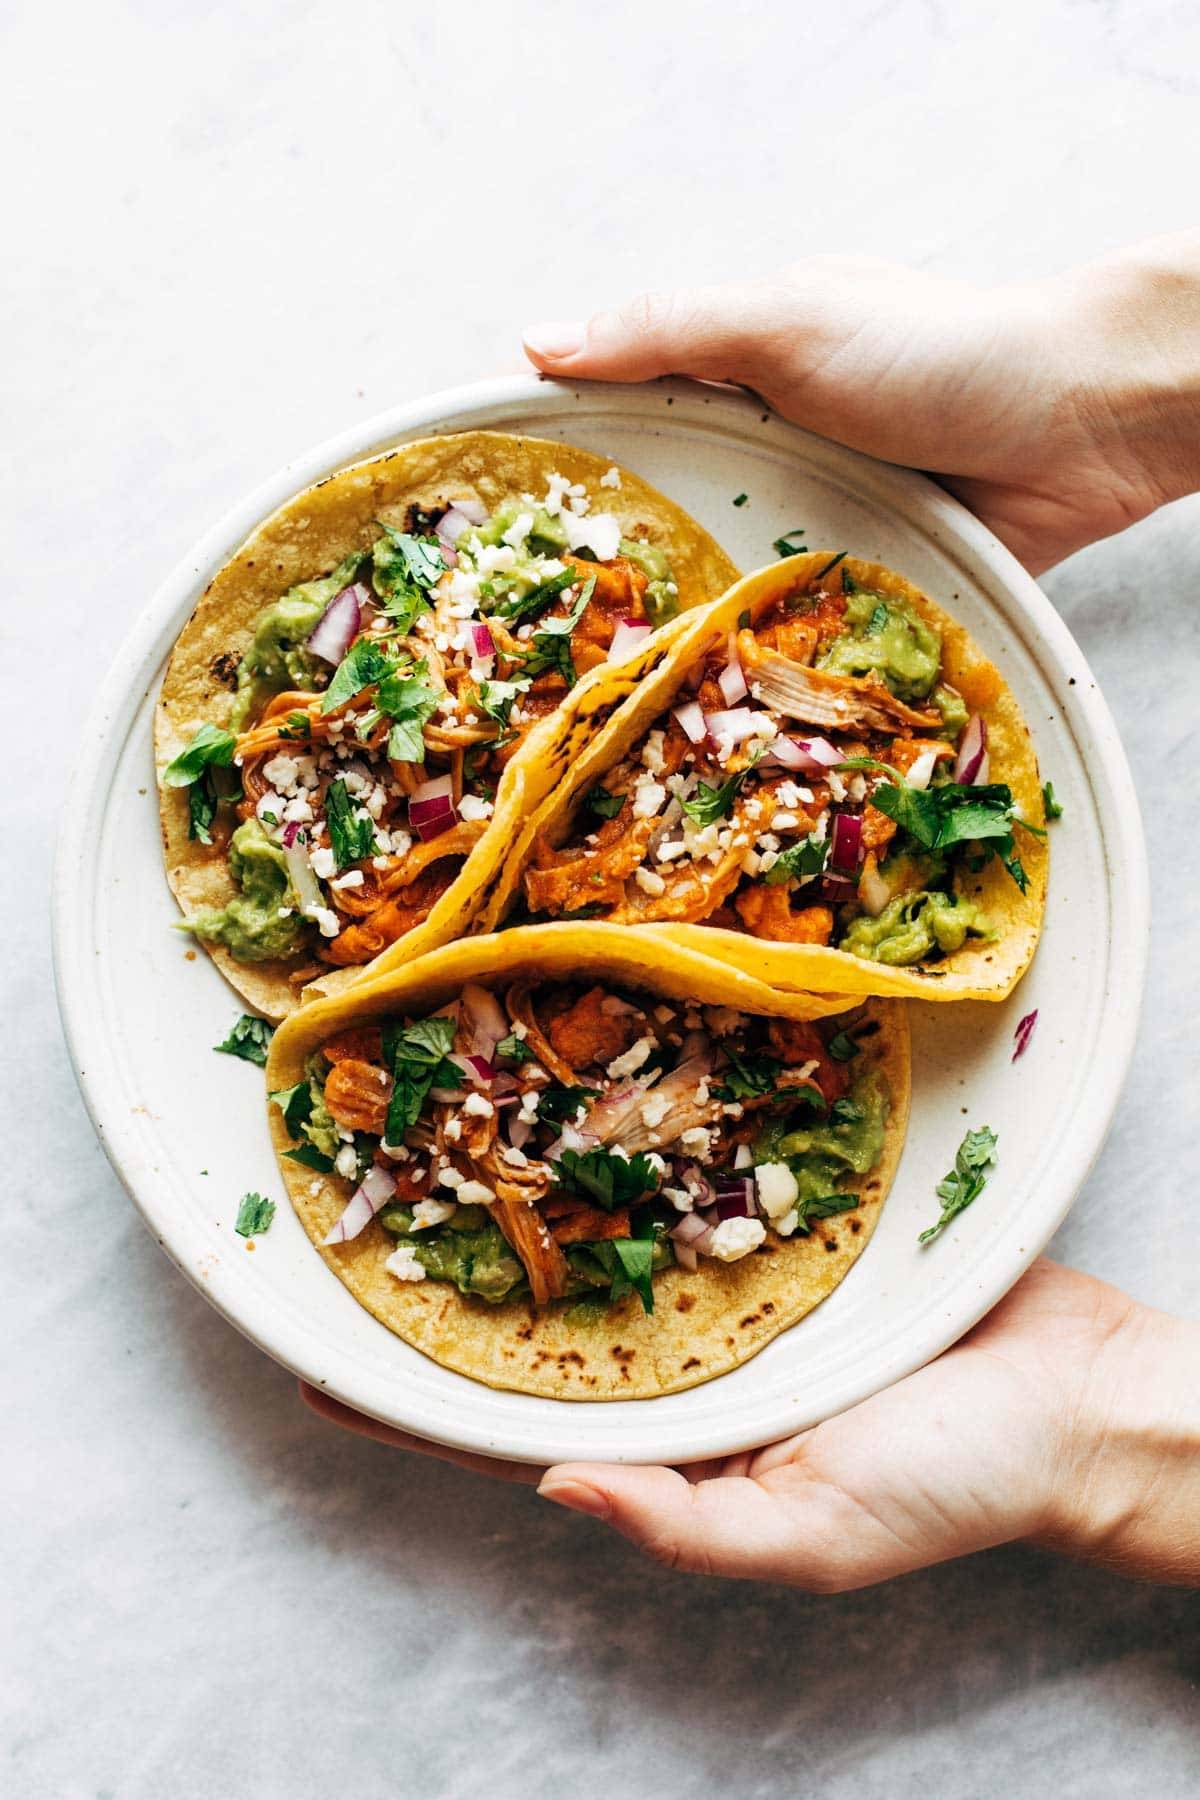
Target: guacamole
x=887 y=637
x=263 y=921
x=914 y=926
x=276 y=658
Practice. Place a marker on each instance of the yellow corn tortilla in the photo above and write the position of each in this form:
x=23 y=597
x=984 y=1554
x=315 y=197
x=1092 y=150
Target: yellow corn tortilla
x=704 y=1323
x=979 y=971
x=309 y=535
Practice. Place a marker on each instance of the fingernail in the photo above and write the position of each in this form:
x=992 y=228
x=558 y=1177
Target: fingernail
x=577 y=1498
x=558 y=338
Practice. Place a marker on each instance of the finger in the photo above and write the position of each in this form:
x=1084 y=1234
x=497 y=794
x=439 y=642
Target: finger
x=363 y=1426
x=717 y=333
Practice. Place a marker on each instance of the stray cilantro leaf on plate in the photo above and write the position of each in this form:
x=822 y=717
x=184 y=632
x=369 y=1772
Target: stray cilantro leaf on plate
x=740 y=499
x=249 y=1038
x=966 y=1180
x=791 y=544
x=352 y=838
x=254 y=1215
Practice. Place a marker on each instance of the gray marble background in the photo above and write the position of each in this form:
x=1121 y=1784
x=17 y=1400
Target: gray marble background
x=230 y=230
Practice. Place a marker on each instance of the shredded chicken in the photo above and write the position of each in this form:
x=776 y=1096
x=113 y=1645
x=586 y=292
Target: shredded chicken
x=767 y=912
x=519 y=1002
x=817 y=697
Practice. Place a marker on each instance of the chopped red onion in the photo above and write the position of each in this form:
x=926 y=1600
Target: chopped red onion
x=373 y=1192
x=473 y=511
x=453 y=523
x=691 y=1229
x=1023 y=1034
x=692 y=721
x=697 y=1183
x=339 y=624
x=732 y=683
x=481 y=1071
x=630 y=633
x=484 y=1020
x=290 y=833
x=431 y=808
x=922 y=769
x=845 y=848
x=446 y=1096
x=519 y=1132
x=971 y=766
x=838 y=888
x=482 y=642
x=735 y=1197
x=505 y=1083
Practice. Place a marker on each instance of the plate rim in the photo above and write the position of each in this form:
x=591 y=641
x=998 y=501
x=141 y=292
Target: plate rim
x=926 y=506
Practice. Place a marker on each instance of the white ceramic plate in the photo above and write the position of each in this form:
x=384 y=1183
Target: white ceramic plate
x=185 y=1130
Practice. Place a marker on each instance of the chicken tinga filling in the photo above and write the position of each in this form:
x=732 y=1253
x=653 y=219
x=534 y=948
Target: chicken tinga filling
x=817 y=782
x=568 y=1140
x=377 y=706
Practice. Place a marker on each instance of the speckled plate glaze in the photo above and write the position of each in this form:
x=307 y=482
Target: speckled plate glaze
x=186 y=1131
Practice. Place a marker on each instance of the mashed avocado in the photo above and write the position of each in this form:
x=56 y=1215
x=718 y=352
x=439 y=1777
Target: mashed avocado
x=276 y=658
x=468 y=1250
x=886 y=636
x=320 y=1127
x=547 y=535
x=953 y=709
x=250 y=926
x=662 y=595
x=848 y=1141
x=913 y=926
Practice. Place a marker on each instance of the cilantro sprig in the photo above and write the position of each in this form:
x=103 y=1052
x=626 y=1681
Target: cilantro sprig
x=409 y=702
x=966 y=1180
x=417 y=1055
x=550 y=650
x=805 y=858
x=611 y=1181
x=709 y=803
x=351 y=837
x=254 y=1215
x=248 y=1038
x=404 y=569
x=952 y=813
x=604 y=803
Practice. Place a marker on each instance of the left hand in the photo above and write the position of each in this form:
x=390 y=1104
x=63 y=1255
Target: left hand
x=1063 y=1418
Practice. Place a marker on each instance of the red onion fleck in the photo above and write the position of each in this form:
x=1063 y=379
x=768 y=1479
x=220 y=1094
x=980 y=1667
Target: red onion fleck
x=845 y=849
x=339 y=624
x=1023 y=1034
x=431 y=808
x=692 y=721
x=630 y=633
x=971 y=766
x=732 y=683
x=372 y=1193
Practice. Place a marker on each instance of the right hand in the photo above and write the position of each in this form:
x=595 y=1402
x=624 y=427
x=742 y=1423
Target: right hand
x=1059 y=412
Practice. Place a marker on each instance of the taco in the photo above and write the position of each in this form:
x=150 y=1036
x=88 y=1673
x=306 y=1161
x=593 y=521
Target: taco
x=346 y=732
x=561 y=1162
x=825 y=784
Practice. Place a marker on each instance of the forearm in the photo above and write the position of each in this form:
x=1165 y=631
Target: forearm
x=1132 y=322
x=1129 y=1492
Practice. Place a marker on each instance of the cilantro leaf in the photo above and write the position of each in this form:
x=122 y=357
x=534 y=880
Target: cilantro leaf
x=211 y=746
x=954 y=814
x=551 y=648
x=966 y=1180
x=611 y=1181
x=297 y=725
x=708 y=803
x=740 y=499
x=842 y=1047
x=636 y=1257
x=748 y=1077
x=311 y=1158
x=404 y=569
x=202 y=808
x=561 y=1105
x=254 y=1215
x=604 y=804
x=877 y=620
x=514 y=1049
x=831 y=565
x=409 y=702
x=784 y=546
x=248 y=1038
x=352 y=838
x=1051 y=801
x=805 y=858
x=417 y=1054
x=497 y=698
x=824 y=1206
x=366 y=662
x=513 y=607
x=295 y=1104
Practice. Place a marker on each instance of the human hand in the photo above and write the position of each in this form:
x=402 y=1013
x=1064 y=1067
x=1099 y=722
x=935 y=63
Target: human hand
x=1059 y=411
x=1069 y=1417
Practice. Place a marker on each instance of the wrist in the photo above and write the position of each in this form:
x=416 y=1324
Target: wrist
x=1132 y=336
x=1128 y=1492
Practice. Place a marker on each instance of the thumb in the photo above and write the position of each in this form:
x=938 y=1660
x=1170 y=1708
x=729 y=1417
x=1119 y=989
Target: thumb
x=728 y=1526
x=717 y=333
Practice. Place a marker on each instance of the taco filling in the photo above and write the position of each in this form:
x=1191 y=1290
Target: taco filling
x=553 y=1140
x=378 y=704
x=817 y=782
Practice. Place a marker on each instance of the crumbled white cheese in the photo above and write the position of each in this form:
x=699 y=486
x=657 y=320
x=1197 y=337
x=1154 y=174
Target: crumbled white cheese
x=452 y=1130
x=403 y=1264
x=695 y=1141
x=633 y=1059
x=777 y=1189
x=652 y=752
x=449 y=1177
x=323 y=863
x=655 y=1108
x=743 y=1157
x=471 y=807
x=478 y=1106
x=432 y=1212
x=353 y=878
x=327 y=921
x=281 y=772
x=475 y=1193
x=648 y=796
x=735 y=1238
x=788 y=1223
x=680 y=1199
x=650 y=883
x=346 y=1162
x=611 y=478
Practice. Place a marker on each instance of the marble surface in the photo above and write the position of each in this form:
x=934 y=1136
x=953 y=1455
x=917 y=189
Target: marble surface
x=228 y=235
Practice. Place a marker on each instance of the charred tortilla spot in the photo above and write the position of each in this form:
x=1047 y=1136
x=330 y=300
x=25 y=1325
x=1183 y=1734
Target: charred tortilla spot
x=750 y=1319
x=685 y=1303
x=224 y=668
x=693 y=1362
x=831 y=1243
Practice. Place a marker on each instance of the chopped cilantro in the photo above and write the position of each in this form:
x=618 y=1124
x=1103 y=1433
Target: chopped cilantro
x=784 y=546
x=748 y=1077
x=497 y=698
x=311 y=1158
x=409 y=703
x=296 y=1104
x=953 y=814
x=202 y=808
x=551 y=647
x=708 y=803
x=611 y=1181
x=1051 y=801
x=636 y=1258
x=254 y=1215
x=417 y=1056
x=366 y=662
x=296 y=725
x=877 y=620
x=743 y=619
x=740 y=499
x=966 y=1180
x=842 y=1047
x=211 y=746
x=404 y=568
x=512 y=607
x=352 y=837
x=248 y=1038
x=604 y=804
x=514 y=1049
x=561 y=1105
x=831 y=565
x=824 y=1206
x=805 y=858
